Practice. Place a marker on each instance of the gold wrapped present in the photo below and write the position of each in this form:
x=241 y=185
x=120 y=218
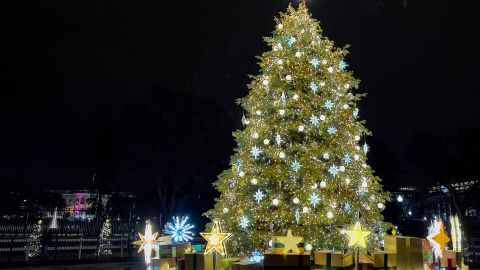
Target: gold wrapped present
x=407 y=251
x=279 y=248
x=450 y=259
x=286 y=261
x=385 y=261
x=164 y=264
x=200 y=261
x=247 y=266
x=329 y=260
x=179 y=250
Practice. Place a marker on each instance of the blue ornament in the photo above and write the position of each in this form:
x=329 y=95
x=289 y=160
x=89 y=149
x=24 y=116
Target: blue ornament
x=314 y=87
x=244 y=222
x=314 y=199
x=314 y=120
x=296 y=166
x=347 y=159
x=329 y=105
x=314 y=62
x=259 y=196
x=291 y=41
x=343 y=65
x=333 y=170
x=255 y=152
x=256 y=256
x=332 y=130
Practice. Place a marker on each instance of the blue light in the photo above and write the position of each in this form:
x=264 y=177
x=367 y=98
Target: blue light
x=179 y=230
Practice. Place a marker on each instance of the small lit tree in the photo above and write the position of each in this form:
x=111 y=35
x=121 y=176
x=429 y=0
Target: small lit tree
x=34 y=243
x=104 y=247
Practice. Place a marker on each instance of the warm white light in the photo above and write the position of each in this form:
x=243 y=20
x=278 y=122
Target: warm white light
x=399 y=198
x=324 y=61
x=347 y=86
x=281 y=155
x=301 y=128
x=296 y=200
x=275 y=202
x=280 y=26
x=225 y=210
x=288 y=77
x=254 y=181
x=380 y=205
x=295 y=96
x=266 y=141
x=314 y=186
x=298 y=54
x=357 y=138
x=308 y=247
x=281 y=111
x=322 y=83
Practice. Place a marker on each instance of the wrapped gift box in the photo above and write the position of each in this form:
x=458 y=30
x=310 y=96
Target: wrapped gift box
x=450 y=259
x=329 y=260
x=200 y=261
x=407 y=250
x=279 y=248
x=164 y=247
x=247 y=266
x=286 y=261
x=179 y=249
x=164 y=264
x=385 y=261
x=198 y=248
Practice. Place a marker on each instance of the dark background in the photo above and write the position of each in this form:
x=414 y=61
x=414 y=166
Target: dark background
x=142 y=93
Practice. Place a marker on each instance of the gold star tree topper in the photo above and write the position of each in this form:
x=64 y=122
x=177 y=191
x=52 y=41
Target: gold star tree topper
x=357 y=236
x=441 y=238
x=148 y=242
x=291 y=242
x=216 y=239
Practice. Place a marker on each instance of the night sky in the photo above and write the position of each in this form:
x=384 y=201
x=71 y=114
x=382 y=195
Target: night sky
x=80 y=75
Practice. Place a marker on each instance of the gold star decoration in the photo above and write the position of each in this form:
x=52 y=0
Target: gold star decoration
x=216 y=239
x=442 y=239
x=148 y=242
x=357 y=236
x=291 y=242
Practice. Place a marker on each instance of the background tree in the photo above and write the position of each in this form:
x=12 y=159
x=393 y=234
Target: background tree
x=300 y=163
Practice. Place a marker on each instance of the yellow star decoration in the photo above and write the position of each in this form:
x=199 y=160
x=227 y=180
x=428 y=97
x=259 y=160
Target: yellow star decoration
x=291 y=242
x=216 y=239
x=442 y=239
x=147 y=242
x=357 y=236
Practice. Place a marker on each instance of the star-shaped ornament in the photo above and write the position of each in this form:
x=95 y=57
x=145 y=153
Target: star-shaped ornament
x=291 y=242
x=148 y=242
x=216 y=239
x=357 y=236
x=441 y=238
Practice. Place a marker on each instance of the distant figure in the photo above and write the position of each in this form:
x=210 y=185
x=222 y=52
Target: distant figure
x=46 y=240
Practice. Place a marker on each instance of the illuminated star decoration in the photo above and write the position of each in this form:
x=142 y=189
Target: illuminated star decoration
x=357 y=236
x=347 y=159
x=314 y=199
x=244 y=222
x=438 y=238
x=216 y=239
x=259 y=196
x=343 y=65
x=296 y=166
x=290 y=242
x=314 y=120
x=180 y=230
x=332 y=130
x=333 y=170
x=314 y=62
x=329 y=105
x=255 y=152
x=148 y=242
x=314 y=87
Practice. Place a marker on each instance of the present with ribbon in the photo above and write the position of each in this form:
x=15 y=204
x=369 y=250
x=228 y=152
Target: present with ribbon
x=287 y=261
x=407 y=251
x=385 y=261
x=279 y=248
x=449 y=260
x=329 y=260
x=200 y=261
x=247 y=266
x=164 y=247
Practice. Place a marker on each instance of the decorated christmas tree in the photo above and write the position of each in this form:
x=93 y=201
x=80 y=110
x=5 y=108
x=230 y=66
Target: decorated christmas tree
x=104 y=247
x=301 y=159
x=34 y=243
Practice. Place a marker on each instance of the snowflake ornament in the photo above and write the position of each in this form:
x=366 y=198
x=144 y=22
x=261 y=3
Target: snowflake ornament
x=314 y=199
x=314 y=120
x=347 y=159
x=329 y=105
x=314 y=62
x=313 y=87
x=296 y=166
x=259 y=196
x=343 y=65
x=180 y=230
x=255 y=152
x=333 y=170
x=332 y=130
x=291 y=41
x=244 y=222
x=278 y=139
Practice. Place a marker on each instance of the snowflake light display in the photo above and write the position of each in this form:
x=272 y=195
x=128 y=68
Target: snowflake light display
x=179 y=230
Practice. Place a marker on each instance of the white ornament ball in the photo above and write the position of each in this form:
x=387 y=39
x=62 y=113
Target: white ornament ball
x=322 y=117
x=258 y=112
x=347 y=86
x=322 y=83
x=329 y=214
x=345 y=106
x=281 y=111
x=266 y=141
x=380 y=205
x=225 y=210
x=364 y=184
x=270 y=243
x=275 y=48
x=265 y=82
x=326 y=156
x=314 y=186
x=254 y=181
x=298 y=54
x=295 y=96
x=280 y=26
x=288 y=77
x=241 y=174
x=323 y=184
x=247 y=122
x=296 y=200
x=342 y=168
x=255 y=135
x=324 y=61
x=357 y=138
x=305 y=210
x=301 y=128
x=356 y=157
x=347 y=181
x=275 y=202
x=308 y=247
x=400 y=198
x=281 y=155
x=279 y=61
x=330 y=69
x=357 y=147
